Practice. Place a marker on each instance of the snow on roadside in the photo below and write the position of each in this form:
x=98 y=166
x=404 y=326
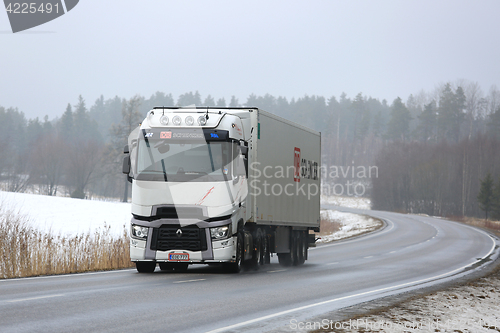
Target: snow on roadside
x=68 y=216
x=468 y=308
x=350 y=225
x=351 y=202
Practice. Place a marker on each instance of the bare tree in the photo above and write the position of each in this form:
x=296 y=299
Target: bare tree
x=474 y=105
x=83 y=161
x=493 y=100
x=48 y=161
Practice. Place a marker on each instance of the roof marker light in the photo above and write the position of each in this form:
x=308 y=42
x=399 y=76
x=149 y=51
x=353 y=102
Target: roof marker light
x=202 y=120
x=176 y=120
x=189 y=120
x=164 y=120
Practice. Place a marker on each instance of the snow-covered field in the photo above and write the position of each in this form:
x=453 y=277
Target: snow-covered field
x=68 y=216
x=351 y=202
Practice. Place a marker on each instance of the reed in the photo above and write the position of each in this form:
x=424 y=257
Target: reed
x=26 y=251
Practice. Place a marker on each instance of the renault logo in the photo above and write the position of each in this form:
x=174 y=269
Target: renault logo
x=179 y=233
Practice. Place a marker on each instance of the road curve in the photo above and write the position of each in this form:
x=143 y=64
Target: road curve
x=410 y=252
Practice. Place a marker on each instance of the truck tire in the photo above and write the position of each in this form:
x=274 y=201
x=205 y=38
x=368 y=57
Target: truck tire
x=257 y=249
x=284 y=259
x=289 y=259
x=145 y=266
x=294 y=252
x=302 y=248
x=235 y=267
x=265 y=256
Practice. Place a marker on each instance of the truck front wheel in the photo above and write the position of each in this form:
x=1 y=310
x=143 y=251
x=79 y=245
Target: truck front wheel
x=235 y=267
x=145 y=266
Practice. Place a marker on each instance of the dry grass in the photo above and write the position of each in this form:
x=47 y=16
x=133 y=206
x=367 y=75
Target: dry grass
x=329 y=227
x=26 y=251
x=482 y=223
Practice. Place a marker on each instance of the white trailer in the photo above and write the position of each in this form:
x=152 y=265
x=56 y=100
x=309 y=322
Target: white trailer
x=221 y=185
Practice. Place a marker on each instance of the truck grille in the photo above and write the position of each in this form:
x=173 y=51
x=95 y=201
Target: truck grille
x=172 y=212
x=169 y=237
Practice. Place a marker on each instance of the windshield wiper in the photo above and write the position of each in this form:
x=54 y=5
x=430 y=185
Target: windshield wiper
x=164 y=170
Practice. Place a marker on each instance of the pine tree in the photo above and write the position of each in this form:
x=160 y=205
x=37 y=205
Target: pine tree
x=209 y=101
x=221 y=102
x=234 y=101
x=451 y=113
x=377 y=124
x=252 y=100
x=427 y=122
x=485 y=196
x=189 y=99
x=361 y=117
x=399 y=124
x=495 y=210
x=66 y=124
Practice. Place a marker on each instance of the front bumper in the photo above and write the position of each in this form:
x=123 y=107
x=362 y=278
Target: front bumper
x=212 y=252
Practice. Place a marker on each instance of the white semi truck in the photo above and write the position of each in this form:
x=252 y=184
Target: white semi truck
x=215 y=185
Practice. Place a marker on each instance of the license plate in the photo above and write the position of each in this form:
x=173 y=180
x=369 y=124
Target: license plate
x=178 y=256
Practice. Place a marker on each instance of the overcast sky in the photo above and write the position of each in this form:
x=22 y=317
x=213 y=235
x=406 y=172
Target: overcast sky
x=383 y=49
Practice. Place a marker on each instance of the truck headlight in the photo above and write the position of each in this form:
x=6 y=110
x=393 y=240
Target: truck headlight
x=139 y=232
x=219 y=233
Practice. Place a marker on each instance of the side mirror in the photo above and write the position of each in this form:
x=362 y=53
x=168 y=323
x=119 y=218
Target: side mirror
x=241 y=166
x=244 y=150
x=126 y=164
x=126 y=160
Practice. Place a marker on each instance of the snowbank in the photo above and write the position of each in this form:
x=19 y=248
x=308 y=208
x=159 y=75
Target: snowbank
x=350 y=225
x=469 y=308
x=68 y=216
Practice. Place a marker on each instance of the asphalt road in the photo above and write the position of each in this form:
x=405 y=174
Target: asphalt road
x=409 y=252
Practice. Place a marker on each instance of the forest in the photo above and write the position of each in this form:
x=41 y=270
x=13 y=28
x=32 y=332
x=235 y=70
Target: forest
x=431 y=151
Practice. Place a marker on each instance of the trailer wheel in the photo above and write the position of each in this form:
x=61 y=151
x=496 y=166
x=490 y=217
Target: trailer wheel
x=289 y=259
x=266 y=251
x=294 y=248
x=284 y=259
x=235 y=267
x=302 y=248
x=267 y=258
x=257 y=249
x=145 y=266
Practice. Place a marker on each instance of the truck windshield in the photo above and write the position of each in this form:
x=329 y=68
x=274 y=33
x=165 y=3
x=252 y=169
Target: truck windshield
x=165 y=160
